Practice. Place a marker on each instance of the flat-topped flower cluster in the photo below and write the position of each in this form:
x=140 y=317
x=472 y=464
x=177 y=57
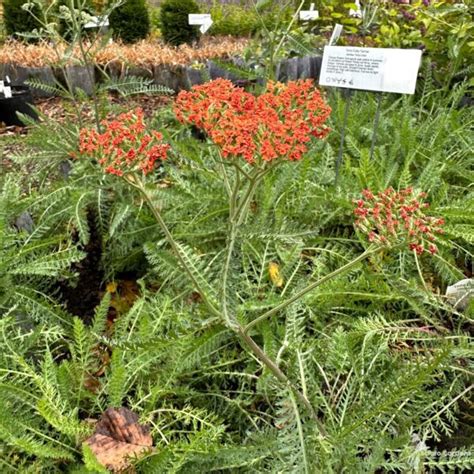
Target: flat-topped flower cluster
x=125 y=146
x=278 y=124
x=390 y=218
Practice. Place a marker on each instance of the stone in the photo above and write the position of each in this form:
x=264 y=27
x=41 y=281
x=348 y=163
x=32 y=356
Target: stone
x=193 y=76
x=25 y=222
x=78 y=77
x=215 y=71
x=316 y=63
x=172 y=77
x=304 y=68
x=461 y=293
x=135 y=71
x=287 y=70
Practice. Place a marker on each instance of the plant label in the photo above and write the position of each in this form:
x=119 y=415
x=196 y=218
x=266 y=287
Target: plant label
x=97 y=22
x=336 y=33
x=2 y=85
x=204 y=20
x=371 y=69
x=357 y=13
x=7 y=91
x=311 y=14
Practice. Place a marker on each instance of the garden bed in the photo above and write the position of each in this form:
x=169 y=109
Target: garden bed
x=174 y=68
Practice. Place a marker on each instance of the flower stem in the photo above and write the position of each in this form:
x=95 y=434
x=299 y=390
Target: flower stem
x=280 y=375
x=310 y=288
x=174 y=245
x=231 y=322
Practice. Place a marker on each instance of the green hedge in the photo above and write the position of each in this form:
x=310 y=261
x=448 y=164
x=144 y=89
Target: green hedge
x=233 y=20
x=16 y=20
x=174 y=21
x=130 y=22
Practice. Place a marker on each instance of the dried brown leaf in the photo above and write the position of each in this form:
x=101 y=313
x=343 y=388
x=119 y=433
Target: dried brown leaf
x=118 y=436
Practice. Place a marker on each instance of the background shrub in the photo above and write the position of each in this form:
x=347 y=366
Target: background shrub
x=16 y=20
x=233 y=20
x=130 y=22
x=174 y=21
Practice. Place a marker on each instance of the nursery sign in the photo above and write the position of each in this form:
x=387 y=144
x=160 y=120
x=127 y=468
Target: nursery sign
x=371 y=69
x=204 y=20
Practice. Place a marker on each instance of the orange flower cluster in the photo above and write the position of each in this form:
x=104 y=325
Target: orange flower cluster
x=124 y=146
x=277 y=124
x=392 y=217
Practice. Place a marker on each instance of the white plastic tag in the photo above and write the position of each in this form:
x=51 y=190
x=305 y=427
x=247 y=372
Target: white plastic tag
x=336 y=33
x=311 y=14
x=204 y=20
x=97 y=22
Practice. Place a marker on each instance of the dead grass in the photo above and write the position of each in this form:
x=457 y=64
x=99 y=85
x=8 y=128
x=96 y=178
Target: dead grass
x=143 y=54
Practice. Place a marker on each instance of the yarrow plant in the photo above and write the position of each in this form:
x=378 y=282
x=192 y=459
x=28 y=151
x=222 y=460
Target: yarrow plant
x=277 y=124
x=125 y=146
x=390 y=218
x=264 y=131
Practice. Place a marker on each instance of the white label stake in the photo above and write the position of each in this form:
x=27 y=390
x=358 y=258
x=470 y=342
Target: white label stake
x=311 y=14
x=7 y=90
x=371 y=69
x=336 y=32
x=204 y=20
x=356 y=13
x=97 y=22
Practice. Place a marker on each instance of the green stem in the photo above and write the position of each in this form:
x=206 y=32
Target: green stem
x=280 y=375
x=235 y=215
x=156 y=214
x=85 y=59
x=233 y=324
x=286 y=33
x=230 y=250
x=310 y=288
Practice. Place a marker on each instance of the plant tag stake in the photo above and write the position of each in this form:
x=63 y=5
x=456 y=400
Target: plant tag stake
x=311 y=14
x=336 y=32
x=357 y=13
x=7 y=90
x=97 y=22
x=371 y=69
x=2 y=85
x=204 y=20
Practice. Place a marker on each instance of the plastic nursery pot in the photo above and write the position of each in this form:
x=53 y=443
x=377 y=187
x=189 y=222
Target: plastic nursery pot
x=19 y=102
x=20 y=74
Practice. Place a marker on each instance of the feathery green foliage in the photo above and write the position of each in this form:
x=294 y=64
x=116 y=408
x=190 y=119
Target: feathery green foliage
x=380 y=353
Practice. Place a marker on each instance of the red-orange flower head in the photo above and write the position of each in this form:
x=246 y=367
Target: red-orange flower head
x=391 y=217
x=280 y=123
x=125 y=146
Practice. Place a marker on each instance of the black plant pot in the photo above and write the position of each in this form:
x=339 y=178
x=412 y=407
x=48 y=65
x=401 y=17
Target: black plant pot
x=18 y=103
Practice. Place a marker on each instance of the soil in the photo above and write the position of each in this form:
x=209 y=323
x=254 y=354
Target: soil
x=81 y=299
x=57 y=109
